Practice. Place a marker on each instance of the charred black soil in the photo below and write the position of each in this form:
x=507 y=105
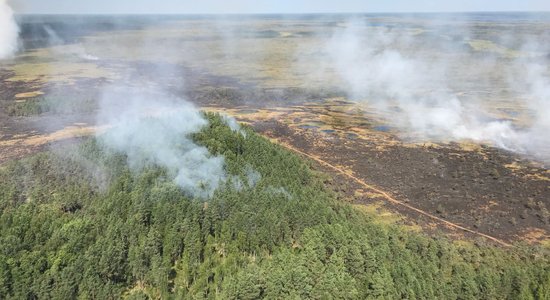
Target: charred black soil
x=486 y=190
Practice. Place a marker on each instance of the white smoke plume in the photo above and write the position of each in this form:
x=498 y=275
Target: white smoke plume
x=535 y=79
x=251 y=179
x=76 y=49
x=415 y=94
x=9 y=31
x=233 y=124
x=151 y=127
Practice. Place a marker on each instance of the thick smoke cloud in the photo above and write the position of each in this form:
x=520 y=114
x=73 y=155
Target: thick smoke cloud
x=415 y=93
x=9 y=31
x=153 y=128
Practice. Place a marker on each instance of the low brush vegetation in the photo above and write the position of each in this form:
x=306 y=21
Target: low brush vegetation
x=49 y=104
x=25 y=108
x=85 y=225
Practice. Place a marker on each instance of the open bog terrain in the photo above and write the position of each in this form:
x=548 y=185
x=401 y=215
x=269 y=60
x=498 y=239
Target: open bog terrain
x=280 y=75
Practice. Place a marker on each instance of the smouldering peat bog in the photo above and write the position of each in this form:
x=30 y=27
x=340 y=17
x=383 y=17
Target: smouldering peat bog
x=293 y=72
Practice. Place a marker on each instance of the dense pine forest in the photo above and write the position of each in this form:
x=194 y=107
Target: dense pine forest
x=79 y=222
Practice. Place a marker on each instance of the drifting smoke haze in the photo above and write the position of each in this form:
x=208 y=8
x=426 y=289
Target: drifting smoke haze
x=382 y=66
x=534 y=78
x=417 y=92
x=76 y=49
x=147 y=124
x=143 y=120
x=9 y=31
x=153 y=128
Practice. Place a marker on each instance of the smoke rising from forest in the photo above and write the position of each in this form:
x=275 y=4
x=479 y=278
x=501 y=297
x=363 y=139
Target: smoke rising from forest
x=153 y=128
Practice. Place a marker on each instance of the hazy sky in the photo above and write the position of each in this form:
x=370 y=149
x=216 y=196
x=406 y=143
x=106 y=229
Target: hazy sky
x=272 y=6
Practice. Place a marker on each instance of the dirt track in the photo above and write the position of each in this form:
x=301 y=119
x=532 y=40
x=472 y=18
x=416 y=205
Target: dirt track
x=475 y=192
x=389 y=198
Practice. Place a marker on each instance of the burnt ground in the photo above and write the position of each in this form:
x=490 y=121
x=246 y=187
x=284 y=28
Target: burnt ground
x=474 y=189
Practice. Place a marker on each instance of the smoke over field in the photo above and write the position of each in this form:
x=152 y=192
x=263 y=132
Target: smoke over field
x=393 y=72
x=8 y=31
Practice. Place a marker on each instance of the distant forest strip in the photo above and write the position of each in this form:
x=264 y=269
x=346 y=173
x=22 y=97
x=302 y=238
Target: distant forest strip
x=85 y=224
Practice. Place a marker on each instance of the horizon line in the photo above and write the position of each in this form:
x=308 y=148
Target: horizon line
x=277 y=13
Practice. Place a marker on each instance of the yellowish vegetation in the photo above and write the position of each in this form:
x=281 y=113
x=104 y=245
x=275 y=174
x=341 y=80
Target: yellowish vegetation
x=29 y=94
x=57 y=72
x=539 y=176
x=514 y=166
x=65 y=133
x=489 y=46
x=380 y=214
x=534 y=235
